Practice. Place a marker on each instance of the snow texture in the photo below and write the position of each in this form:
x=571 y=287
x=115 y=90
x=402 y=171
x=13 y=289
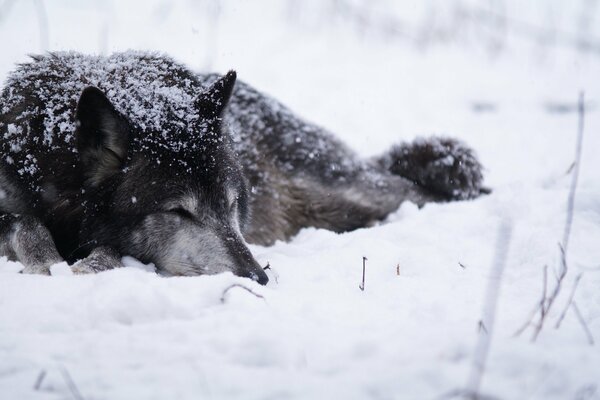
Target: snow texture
x=128 y=333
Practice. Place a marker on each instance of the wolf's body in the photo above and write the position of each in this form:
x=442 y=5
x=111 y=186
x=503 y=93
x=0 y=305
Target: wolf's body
x=152 y=162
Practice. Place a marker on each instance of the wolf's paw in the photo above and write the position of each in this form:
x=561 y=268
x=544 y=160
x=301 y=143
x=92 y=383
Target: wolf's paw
x=101 y=259
x=36 y=270
x=85 y=267
x=443 y=165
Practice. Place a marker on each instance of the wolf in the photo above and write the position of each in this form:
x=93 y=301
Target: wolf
x=135 y=154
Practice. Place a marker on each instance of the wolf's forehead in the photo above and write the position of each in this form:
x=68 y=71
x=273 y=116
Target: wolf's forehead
x=189 y=202
x=193 y=201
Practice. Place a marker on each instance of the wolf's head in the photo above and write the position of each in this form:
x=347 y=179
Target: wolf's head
x=176 y=198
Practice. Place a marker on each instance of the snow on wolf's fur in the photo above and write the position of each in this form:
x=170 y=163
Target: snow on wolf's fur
x=156 y=104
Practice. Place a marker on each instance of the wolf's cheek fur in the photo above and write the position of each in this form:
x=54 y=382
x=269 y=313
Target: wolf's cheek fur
x=183 y=246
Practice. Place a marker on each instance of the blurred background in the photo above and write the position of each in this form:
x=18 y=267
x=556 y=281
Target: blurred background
x=497 y=73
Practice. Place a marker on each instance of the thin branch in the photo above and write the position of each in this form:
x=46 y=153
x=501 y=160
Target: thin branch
x=540 y=307
x=39 y=380
x=71 y=384
x=544 y=307
x=482 y=327
x=543 y=300
x=227 y=289
x=583 y=324
x=562 y=315
x=552 y=298
x=571 y=201
x=362 y=285
x=544 y=304
x=275 y=274
x=570 y=169
x=528 y=322
x=486 y=324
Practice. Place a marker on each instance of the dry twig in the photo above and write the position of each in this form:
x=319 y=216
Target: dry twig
x=540 y=306
x=275 y=274
x=39 y=380
x=73 y=389
x=362 y=285
x=583 y=324
x=571 y=201
x=71 y=384
x=546 y=303
x=227 y=289
x=482 y=327
x=486 y=324
x=562 y=315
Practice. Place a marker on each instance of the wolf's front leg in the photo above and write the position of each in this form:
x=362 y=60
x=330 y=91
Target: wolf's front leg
x=26 y=239
x=100 y=259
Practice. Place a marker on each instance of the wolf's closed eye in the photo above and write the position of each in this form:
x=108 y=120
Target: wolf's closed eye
x=182 y=212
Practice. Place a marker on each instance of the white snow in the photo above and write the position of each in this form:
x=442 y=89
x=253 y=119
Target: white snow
x=131 y=334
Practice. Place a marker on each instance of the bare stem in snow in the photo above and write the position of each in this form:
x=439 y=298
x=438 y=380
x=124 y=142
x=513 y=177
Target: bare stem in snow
x=486 y=324
x=583 y=324
x=362 y=285
x=562 y=315
x=527 y=322
x=275 y=274
x=545 y=290
x=482 y=328
x=39 y=380
x=544 y=306
x=541 y=306
x=571 y=201
x=564 y=246
x=71 y=384
x=227 y=289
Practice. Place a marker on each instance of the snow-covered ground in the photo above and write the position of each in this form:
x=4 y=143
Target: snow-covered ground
x=130 y=334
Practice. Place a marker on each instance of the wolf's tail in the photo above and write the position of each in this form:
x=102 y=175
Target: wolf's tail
x=444 y=166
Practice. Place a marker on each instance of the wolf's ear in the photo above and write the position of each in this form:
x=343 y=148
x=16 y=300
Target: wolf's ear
x=213 y=101
x=102 y=136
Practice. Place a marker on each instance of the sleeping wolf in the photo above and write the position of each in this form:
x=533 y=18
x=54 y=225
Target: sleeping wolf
x=134 y=154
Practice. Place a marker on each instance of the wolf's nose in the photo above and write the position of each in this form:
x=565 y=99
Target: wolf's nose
x=260 y=276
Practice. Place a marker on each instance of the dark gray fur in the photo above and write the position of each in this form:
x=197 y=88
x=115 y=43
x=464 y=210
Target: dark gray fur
x=136 y=155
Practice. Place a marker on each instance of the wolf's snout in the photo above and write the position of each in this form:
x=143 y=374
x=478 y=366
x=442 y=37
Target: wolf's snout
x=260 y=277
x=256 y=273
x=247 y=266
